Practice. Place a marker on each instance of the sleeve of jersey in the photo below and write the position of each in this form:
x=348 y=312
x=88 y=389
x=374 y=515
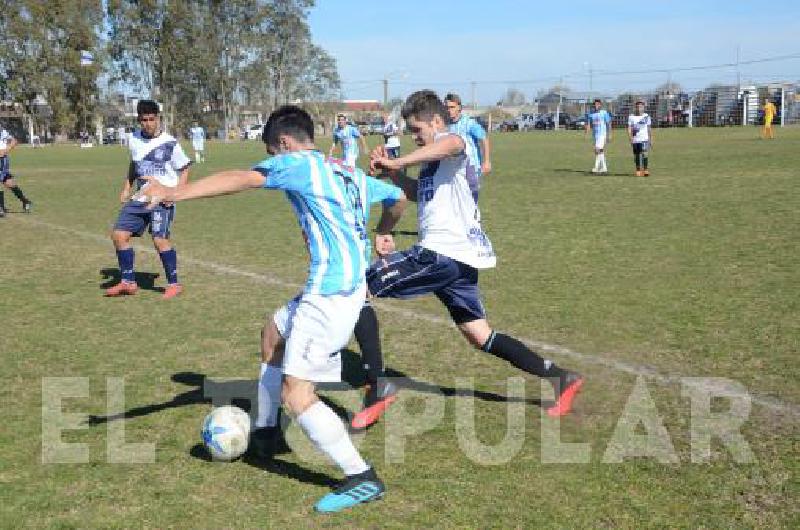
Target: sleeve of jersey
x=356 y=132
x=379 y=191
x=179 y=159
x=284 y=172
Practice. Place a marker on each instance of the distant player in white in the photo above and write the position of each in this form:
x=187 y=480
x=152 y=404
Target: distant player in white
x=347 y=136
x=391 y=140
x=452 y=245
x=7 y=180
x=641 y=136
x=198 y=136
x=599 y=122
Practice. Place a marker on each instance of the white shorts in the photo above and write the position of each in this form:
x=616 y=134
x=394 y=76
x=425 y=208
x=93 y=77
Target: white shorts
x=198 y=146
x=316 y=327
x=600 y=142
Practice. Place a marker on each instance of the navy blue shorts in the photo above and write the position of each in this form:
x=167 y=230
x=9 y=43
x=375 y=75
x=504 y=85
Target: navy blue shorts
x=418 y=271
x=393 y=152
x=134 y=217
x=5 y=169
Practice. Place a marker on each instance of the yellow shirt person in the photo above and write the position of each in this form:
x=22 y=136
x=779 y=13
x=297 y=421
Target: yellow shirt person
x=769 y=115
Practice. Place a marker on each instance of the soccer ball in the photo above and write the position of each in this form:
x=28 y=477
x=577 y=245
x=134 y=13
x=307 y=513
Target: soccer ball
x=226 y=432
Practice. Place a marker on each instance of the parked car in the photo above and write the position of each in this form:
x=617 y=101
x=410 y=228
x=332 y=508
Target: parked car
x=577 y=123
x=508 y=126
x=254 y=132
x=526 y=122
x=376 y=127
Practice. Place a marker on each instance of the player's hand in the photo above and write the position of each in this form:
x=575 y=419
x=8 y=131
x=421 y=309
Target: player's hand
x=3 y=152
x=124 y=197
x=486 y=167
x=384 y=244
x=154 y=193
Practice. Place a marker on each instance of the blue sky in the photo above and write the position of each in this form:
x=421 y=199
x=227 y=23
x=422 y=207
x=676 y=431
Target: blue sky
x=527 y=45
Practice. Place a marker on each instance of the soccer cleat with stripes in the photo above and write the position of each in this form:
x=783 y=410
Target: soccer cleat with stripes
x=355 y=489
x=378 y=398
x=568 y=387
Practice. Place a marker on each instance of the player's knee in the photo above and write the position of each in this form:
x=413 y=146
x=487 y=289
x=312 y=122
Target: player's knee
x=161 y=244
x=297 y=395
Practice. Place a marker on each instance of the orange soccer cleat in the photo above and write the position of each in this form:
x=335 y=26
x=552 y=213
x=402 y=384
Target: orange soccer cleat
x=122 y=288
x=172 y=290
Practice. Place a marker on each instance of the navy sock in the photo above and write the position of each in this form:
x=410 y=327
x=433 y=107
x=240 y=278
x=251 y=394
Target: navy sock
x=19 y=194
x=125 y=259
x=2 y=200
x=169 y=259
x=516 y=353
x=366 y=332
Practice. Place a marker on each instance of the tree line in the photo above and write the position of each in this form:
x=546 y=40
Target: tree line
x=202 y=60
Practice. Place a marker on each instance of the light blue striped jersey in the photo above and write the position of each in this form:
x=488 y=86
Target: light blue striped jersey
x=346 y=136
x=332 y=203
x=197 y=133
x=470 y=129
x=600 y=121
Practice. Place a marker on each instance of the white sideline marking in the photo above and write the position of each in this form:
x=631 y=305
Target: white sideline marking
x=771 y=403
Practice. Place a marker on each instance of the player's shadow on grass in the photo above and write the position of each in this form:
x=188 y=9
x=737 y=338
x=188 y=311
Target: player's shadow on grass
x=590 y=174
x=145 y=280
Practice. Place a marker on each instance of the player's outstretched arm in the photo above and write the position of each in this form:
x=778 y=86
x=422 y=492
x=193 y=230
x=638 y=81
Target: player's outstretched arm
x=222 y=183
x=384 y=242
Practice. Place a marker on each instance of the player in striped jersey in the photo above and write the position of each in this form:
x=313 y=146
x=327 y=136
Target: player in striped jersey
x=599 y=122
x=478 y=147
x=348 y=137
x=301 y=342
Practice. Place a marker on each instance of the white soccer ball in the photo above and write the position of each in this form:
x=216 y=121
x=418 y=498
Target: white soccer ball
x=226 y=432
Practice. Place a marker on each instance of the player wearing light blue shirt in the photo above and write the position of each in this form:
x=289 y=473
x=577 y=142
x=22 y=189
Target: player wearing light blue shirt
x=347 y=136
x=301 y=343
x=478 y=148
x=599 y=121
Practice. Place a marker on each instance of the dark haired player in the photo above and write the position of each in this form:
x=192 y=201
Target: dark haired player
x=7 y=143
x=301 y=342
x=159 y=155
x=452 y=247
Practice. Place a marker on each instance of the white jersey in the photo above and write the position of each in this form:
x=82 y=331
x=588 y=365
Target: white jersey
x=449 y=219
x=640 y=127
x=161 y=157
x=5 y=138
x=390 y=131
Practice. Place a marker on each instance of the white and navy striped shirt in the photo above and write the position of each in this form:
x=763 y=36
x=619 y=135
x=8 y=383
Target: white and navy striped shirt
x=331 y=201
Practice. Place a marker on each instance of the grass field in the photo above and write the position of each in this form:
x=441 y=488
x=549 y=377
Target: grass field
x=689 y=273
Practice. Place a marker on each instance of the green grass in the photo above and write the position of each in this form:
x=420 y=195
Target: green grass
x=691 y=272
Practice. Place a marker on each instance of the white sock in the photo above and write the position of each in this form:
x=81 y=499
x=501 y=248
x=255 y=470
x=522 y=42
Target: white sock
x=603 y=162
x=326 y=430
x=596 y=162
x=269 y=395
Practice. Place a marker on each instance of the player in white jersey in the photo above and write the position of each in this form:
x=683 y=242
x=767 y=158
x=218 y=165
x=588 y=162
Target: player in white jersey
x=453 y=246
x=391 y=140
x=641 y=136
x=153 y=152
x=198 y=136
x=7 y=180
x=301 y=343
x=598 y=122
x=348 y=137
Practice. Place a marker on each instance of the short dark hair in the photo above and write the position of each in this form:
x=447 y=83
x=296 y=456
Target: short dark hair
x=424 y=105
x=146 y=106
x=290 y=120
x=597 y=100
x=455 y=98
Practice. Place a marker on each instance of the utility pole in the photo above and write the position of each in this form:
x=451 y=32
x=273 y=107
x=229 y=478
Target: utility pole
x=385 y=92
x=473 y=86
x=560 y=100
